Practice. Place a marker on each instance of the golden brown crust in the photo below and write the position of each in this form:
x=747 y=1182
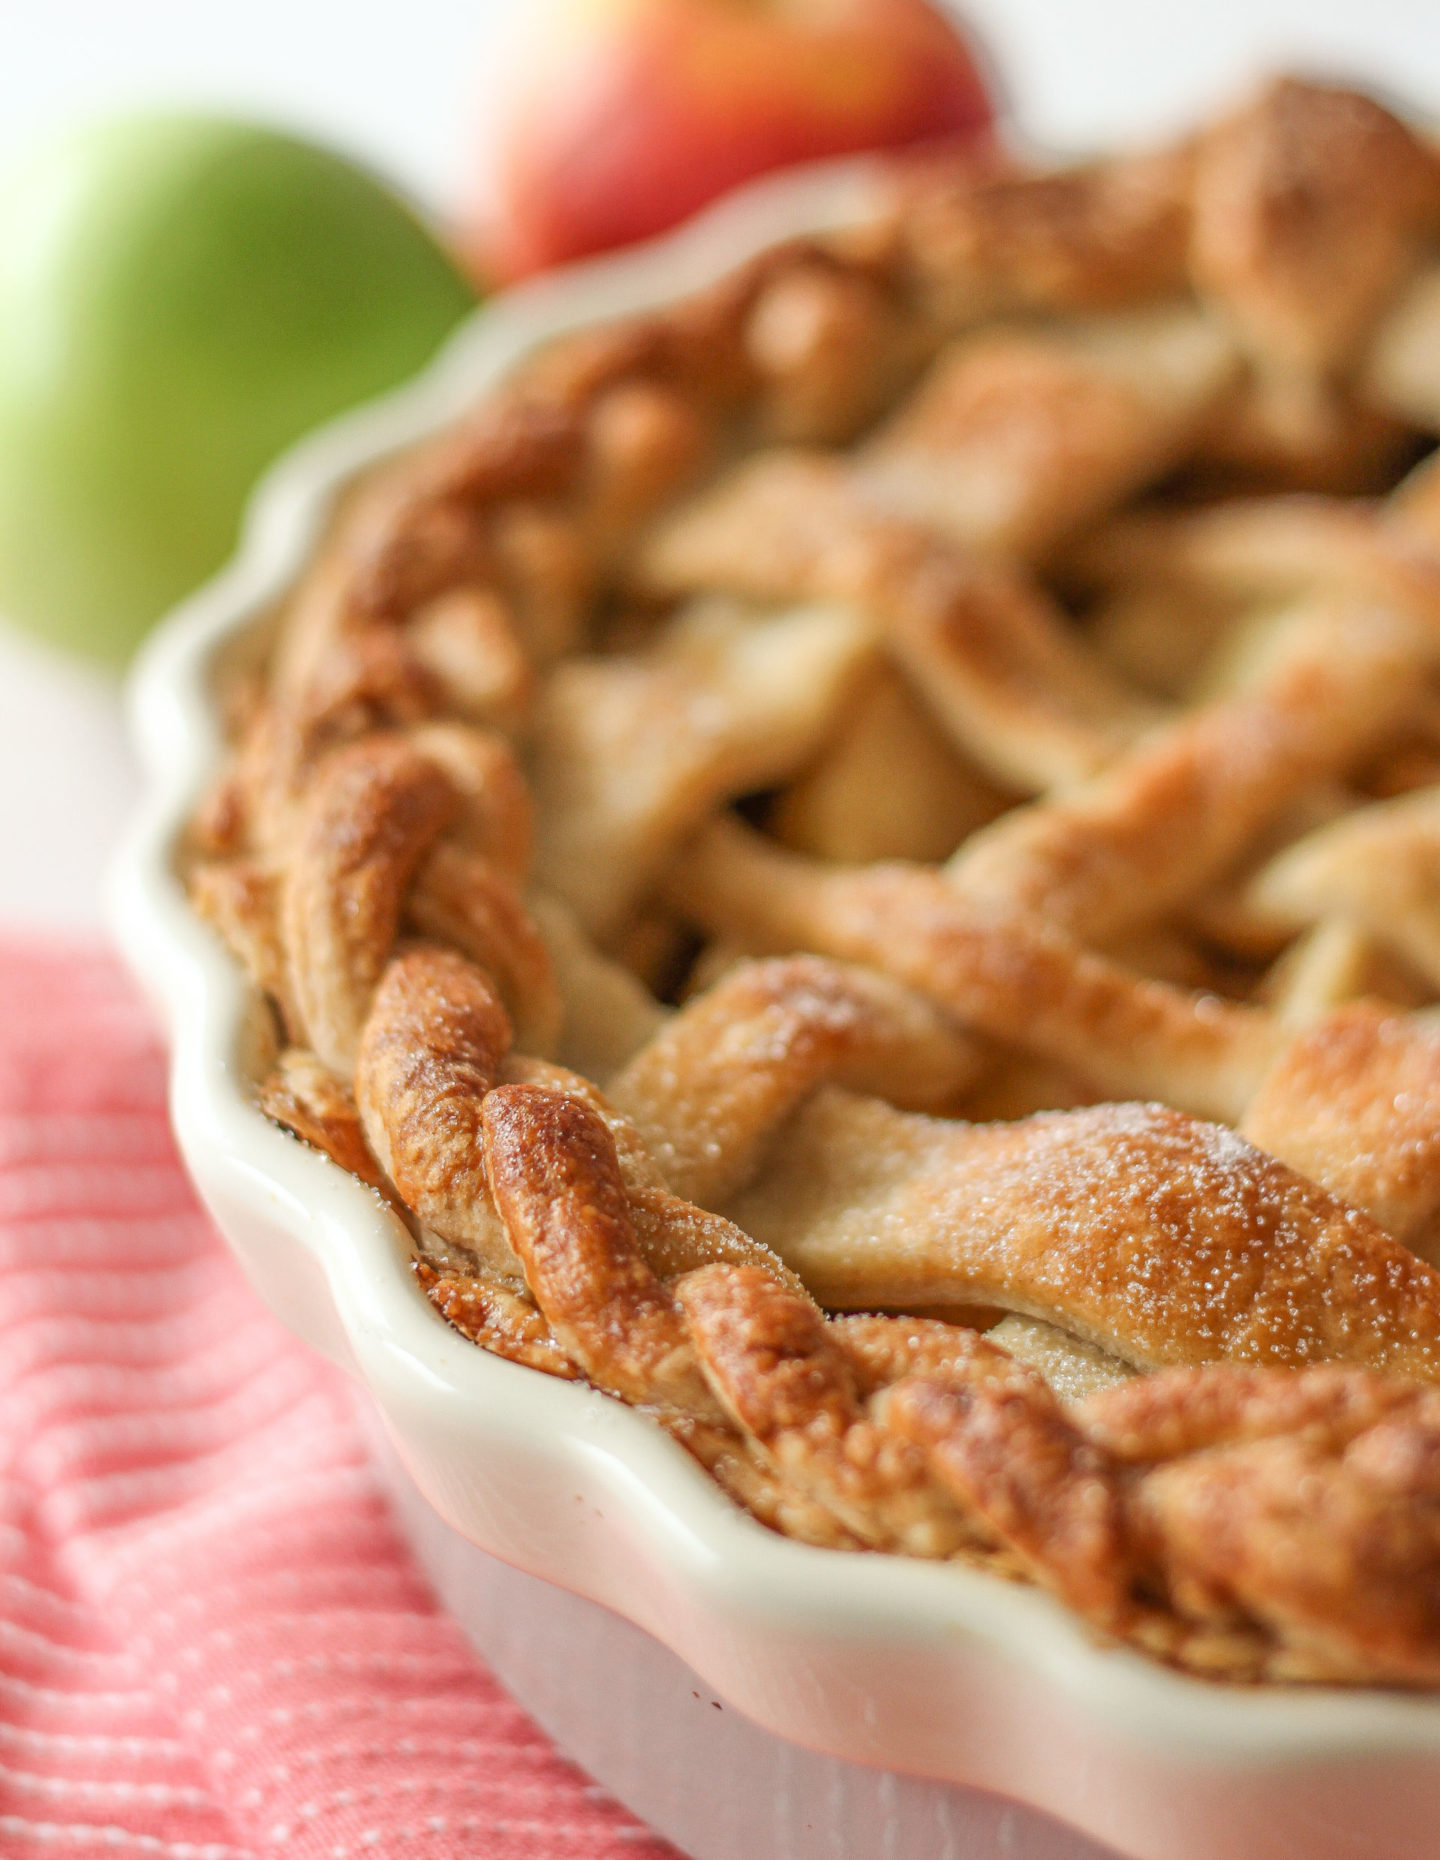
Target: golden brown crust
x=432 y=1047
x=583 y=618
x=1265 y=549
x=1272 y=431
x=496 y=1317
x=552 y=1170
x=1310 y=1504
x=1018 y=437
x=518 y=444
x=632 y=752
x=241 y=899
x=1009 y=976
x=308 y=1099
x=465 y=642
x=1155 y=1418
x=495 y=819
x=888 y=785
x=991 y=653
x=1377 y=867
x=645 y=444
x=784 y=1379
x=1163 y=1239
x=1164 y=820
x=371 y=817
x=711 y=1090
x=1311 y=204
x=770 y=1356
x=1007 y=1454
x=774 y=1501
x=830 y=347
x=1353 y=1103
x=993 y=238
x=475 y=907
x=674 y=1235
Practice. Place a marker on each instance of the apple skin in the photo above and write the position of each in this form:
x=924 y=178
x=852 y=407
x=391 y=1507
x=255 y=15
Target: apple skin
x=627 y=115
x=180 y=298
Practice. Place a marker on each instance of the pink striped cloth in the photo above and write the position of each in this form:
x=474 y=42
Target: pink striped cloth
x=212 y=1642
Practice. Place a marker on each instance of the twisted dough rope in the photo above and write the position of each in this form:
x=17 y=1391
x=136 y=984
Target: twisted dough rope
x=1163 y=1239
x=713 y=1089
x=1143 y=835
x=630 y=756
x=903 y=1434
x=1000 y=1468
x=458 y=573
x=1018 y=980
x=1160 y=822
x=1378 y=867
x=988 y=649
x=1149 y=815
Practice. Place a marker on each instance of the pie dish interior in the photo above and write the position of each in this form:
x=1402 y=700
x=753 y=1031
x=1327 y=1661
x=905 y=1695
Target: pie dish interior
x=858 y=856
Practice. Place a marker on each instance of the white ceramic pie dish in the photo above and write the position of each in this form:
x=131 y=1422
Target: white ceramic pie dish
x=925 y=1670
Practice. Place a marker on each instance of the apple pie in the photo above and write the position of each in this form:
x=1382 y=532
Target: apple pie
x=858 y=858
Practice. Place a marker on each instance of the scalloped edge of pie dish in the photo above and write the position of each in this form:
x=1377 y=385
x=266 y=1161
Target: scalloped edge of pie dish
x=934 y=1670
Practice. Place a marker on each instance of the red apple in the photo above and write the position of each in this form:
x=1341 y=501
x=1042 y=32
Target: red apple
x=625 y=116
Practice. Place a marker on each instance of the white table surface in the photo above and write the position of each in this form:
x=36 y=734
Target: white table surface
x=402 y=85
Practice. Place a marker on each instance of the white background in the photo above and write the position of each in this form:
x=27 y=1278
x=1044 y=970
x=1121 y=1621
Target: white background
x=403 y=84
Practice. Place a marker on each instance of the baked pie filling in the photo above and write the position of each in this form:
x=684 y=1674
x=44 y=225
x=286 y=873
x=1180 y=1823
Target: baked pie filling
x=859 y=858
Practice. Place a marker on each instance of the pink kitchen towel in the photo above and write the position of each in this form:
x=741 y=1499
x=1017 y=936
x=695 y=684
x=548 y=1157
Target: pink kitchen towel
x=213 y=1644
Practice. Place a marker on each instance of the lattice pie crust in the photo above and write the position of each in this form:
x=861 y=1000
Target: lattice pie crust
x=860 y=859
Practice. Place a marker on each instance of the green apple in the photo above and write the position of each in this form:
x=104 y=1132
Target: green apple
x=180 y=298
